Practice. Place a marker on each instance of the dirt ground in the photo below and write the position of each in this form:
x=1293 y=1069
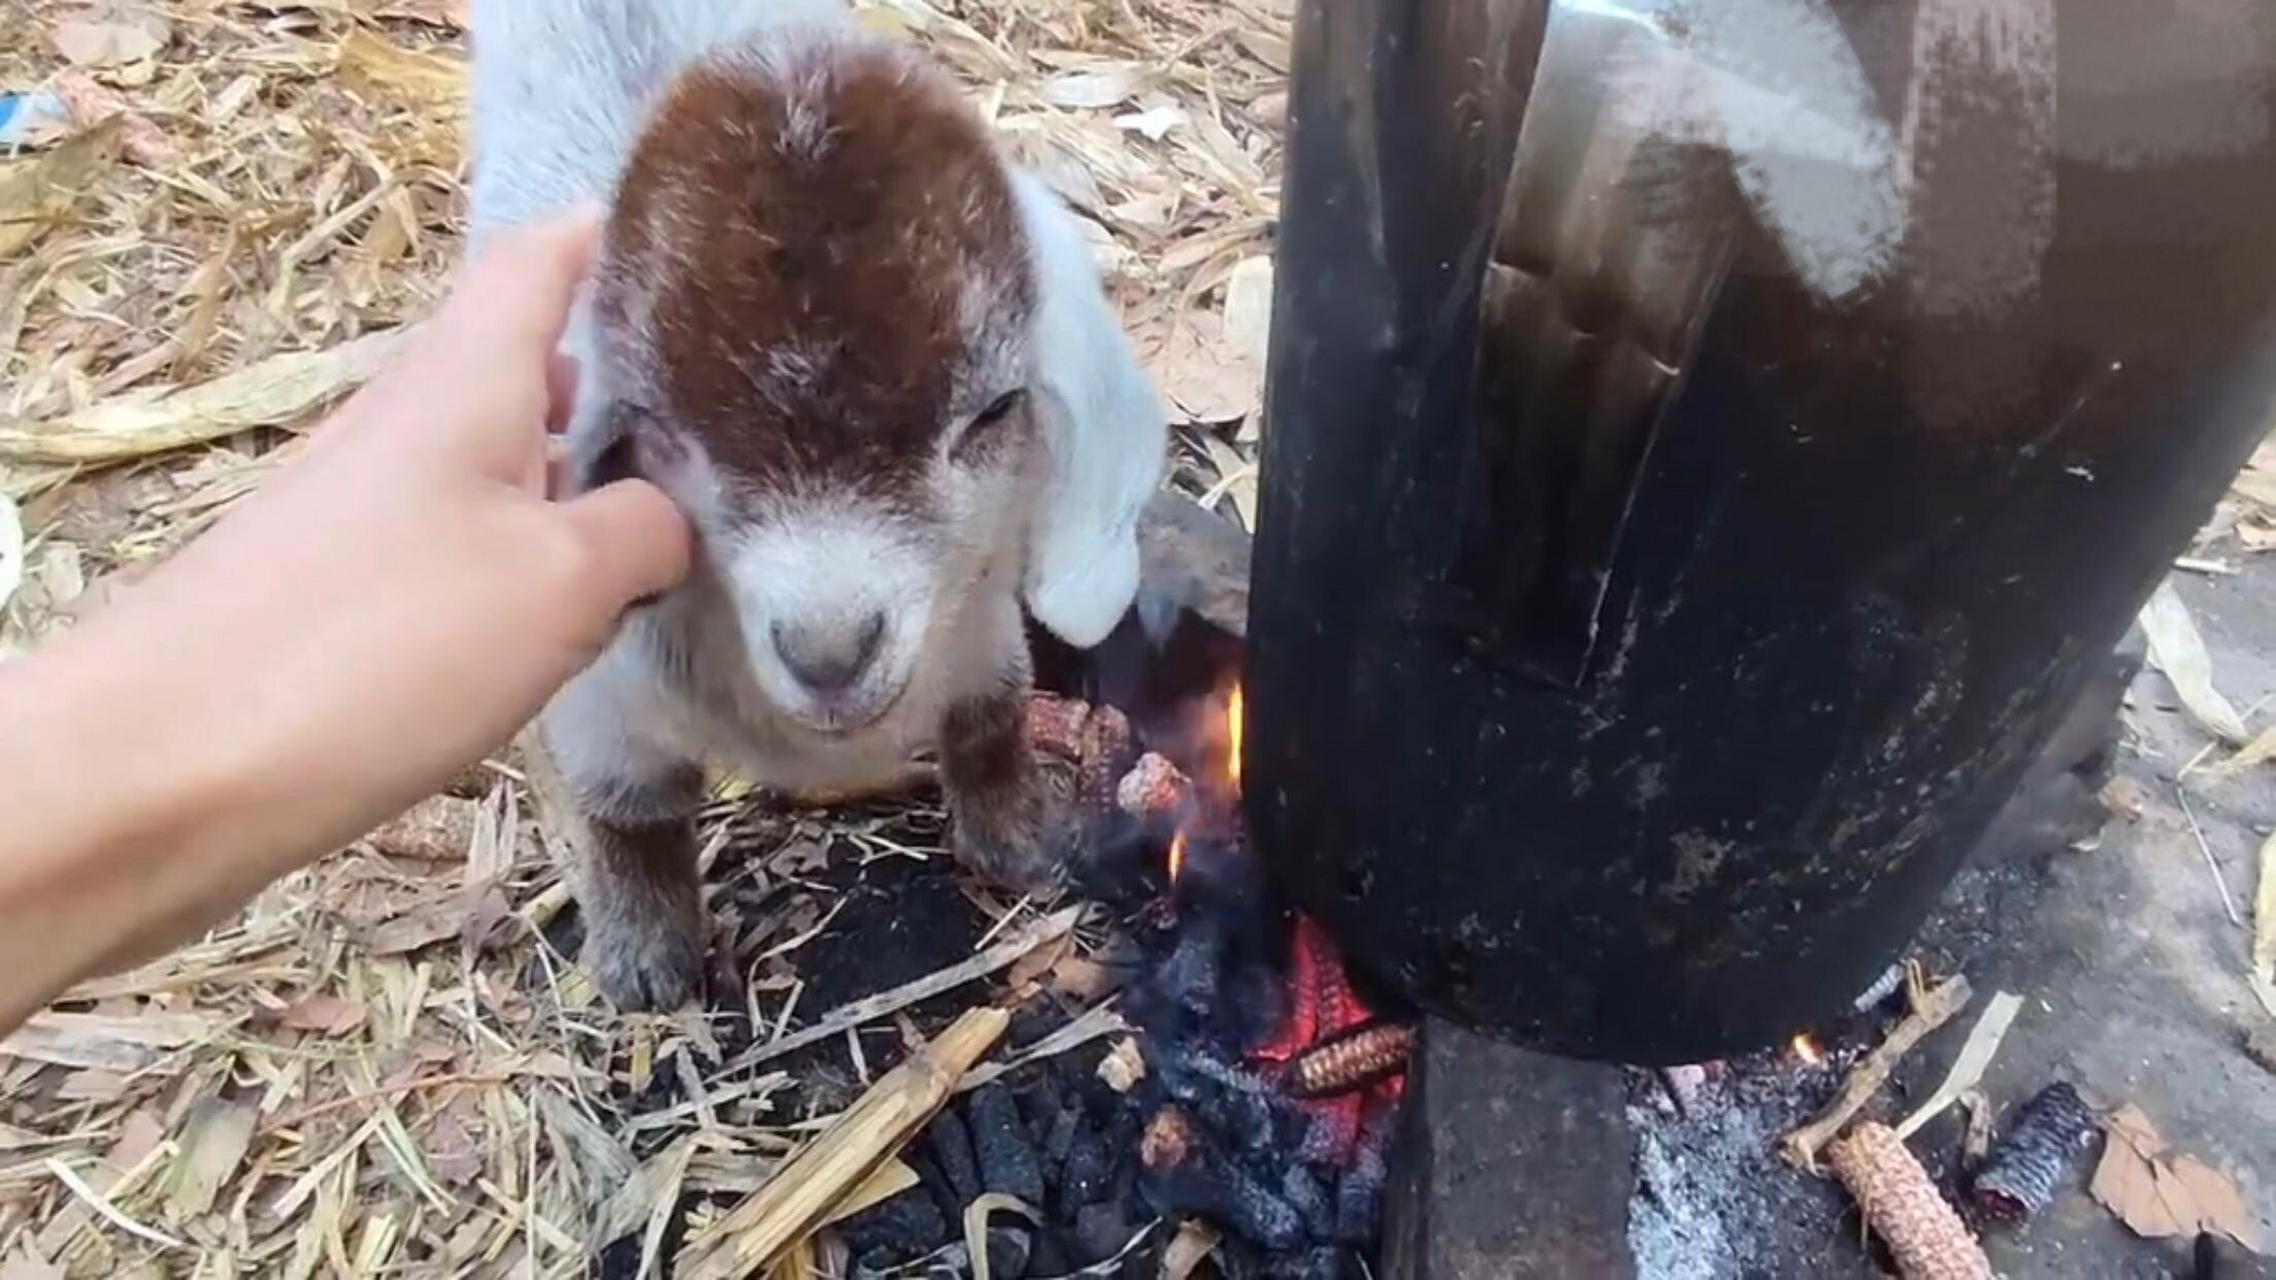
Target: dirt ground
x=2132 y=974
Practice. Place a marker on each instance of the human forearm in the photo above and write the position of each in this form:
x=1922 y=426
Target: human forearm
x=113 y=847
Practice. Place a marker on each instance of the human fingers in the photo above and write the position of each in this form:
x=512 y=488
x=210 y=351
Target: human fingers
x=513 y=298
x=637 y=542
x=556 y=480
x=481 y=371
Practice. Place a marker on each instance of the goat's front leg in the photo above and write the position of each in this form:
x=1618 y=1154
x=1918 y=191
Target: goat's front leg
x=1017 y=821
x=636 y=878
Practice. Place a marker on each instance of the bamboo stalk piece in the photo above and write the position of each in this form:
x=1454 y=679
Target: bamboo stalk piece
x=870 y=1132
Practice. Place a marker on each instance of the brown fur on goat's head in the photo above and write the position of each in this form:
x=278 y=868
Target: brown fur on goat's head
x=816 y=291
x=820 y=252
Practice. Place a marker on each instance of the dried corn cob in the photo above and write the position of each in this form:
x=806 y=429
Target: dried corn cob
x=1350 y=1060
x=2025 y=1166
x=1055 y=724
x=1094 y=739
x=1154 y=788
x=1902 y=1206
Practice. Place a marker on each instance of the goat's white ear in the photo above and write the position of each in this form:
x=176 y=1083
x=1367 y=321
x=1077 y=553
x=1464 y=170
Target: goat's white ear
x=1105 y=429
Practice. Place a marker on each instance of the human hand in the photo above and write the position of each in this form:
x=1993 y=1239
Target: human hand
x=426 y=594
x=390 y=606
x=404 y=596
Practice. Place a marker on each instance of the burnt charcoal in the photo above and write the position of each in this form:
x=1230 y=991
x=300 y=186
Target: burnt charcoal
x=1241 y=1260
x=2026 y=1166
x=1188 y=976
x=1059 y=1135
x=1088 y=1174
x=1123 y=1128
x=1302 y=1190
x=949 y=1142
x=933 y=1182
x=1000 y=1140
x=1050 y=1257
x=1100 y=1231
x=1878 y=992
x=1359 y=1192
x=949 y=1262
x=897 y=1229
x=1231 y=1100
x=1359 y=1209
x=1331 y=1132
x=1009 y=1251
x=1040 y=1100
x=1033 y=1021
x=1229 y=1195
x=1319 y=1263
x=621 y=1259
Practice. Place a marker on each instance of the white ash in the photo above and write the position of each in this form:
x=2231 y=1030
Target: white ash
x=1712 y=1199
x=1672 y=1230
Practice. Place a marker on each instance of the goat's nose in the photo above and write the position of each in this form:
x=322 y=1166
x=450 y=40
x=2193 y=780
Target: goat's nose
x=829 y=658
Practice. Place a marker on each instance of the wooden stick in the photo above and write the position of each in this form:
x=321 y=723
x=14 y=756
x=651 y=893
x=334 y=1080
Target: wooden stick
x=1901 y=1204
x=1976 y=1054
x=1933 y=1010
x=800 y=1194
x=871 y=1008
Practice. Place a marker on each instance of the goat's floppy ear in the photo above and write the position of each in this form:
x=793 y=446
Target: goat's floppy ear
x=1105 y=430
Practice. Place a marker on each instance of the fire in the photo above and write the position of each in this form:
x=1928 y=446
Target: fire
x=1232 y=770
x=1806 y=1048
x=1233 y=737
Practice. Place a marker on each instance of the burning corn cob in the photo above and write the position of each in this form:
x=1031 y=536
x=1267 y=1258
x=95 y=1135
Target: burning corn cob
x=1093 y=739
x=1351 y=1060
x=1153 y=788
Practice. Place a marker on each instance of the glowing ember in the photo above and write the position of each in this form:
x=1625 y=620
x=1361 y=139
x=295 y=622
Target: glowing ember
x=1806 y=1048
x=1323 y=1008
x=1177 y=855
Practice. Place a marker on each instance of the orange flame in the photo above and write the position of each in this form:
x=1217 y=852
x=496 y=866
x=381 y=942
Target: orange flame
x=1177 y=855
x=1233 y=737
x=1806 y=1048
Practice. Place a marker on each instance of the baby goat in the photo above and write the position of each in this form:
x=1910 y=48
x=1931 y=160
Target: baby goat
x=872 y=362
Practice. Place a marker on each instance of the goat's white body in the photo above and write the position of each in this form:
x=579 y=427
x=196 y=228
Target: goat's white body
x=560 y=91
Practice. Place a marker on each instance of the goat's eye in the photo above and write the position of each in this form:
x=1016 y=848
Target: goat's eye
x=998 y=410
x=976 y=440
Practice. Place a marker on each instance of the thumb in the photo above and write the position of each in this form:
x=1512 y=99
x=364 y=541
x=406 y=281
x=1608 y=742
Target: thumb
x=639 y=541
